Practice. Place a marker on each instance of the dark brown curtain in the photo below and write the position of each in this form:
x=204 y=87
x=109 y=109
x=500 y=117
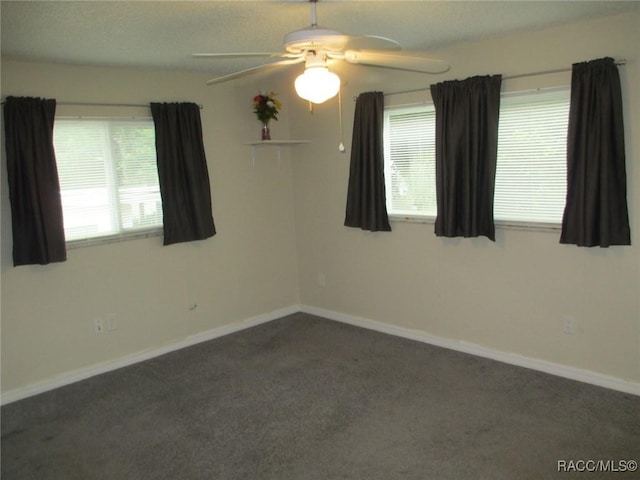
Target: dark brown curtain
x=366 y=201
x=34 y=188
x=182 y=172
x=595 y=212
x=467 y=113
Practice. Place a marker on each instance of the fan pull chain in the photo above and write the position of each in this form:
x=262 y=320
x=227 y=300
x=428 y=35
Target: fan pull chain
x=341 y=147
x=314 y=13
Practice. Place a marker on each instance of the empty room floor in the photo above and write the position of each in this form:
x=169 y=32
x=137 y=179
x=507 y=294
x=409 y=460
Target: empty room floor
x=303 y=397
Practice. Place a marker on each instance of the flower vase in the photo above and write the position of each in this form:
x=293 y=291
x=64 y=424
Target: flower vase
x=266 y=134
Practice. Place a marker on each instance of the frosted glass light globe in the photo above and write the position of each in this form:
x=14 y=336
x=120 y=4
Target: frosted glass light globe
x=317 y=84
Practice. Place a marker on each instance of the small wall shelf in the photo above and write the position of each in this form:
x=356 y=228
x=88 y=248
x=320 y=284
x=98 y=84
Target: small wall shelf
x=277 y=142
x=273 y=143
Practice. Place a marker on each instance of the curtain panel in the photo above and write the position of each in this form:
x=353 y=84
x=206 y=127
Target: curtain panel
x=34 y=187
x=366 y=200
x=596 y=206
x=467 y=113
x=182 y=173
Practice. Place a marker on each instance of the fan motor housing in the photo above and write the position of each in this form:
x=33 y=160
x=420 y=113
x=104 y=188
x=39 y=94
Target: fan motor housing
x=315 y=38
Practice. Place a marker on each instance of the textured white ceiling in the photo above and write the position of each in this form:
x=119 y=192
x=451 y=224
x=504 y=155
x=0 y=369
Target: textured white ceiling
x=164 y=33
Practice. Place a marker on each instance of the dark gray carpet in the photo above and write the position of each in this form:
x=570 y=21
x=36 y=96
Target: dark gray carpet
x=307 y=398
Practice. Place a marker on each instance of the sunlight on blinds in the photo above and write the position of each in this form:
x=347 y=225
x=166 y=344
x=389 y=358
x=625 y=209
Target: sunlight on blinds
x=108 y=176
x=531 y=169
x=410 y=166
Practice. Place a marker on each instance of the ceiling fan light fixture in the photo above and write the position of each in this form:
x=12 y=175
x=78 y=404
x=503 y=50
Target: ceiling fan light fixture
x=317 y=84
x=317 y=45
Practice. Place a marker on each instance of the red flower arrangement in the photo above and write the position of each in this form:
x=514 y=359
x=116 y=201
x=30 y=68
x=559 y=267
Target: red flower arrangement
x=266 y=107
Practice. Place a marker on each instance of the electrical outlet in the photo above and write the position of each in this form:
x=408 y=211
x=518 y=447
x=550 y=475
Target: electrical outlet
x=321 y=280
x=98 y=325
x=569 y=325
x=111 y=322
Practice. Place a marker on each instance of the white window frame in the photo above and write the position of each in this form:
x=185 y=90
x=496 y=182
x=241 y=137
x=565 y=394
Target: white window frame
x=539 y=100
x=120 y=231
x=428 y=144
x=399 y=215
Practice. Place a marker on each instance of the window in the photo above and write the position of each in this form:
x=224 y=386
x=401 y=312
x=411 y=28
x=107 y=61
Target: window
x=410 y=160
x=108 y=177
x=531 y=173
x=531 y=167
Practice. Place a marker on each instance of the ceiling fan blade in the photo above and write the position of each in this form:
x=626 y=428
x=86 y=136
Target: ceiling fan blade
x=244 y=55
x=372 y=42
x=259 y=68
x=397 y=61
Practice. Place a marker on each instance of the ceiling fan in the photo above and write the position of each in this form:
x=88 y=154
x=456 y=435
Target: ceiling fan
x=317 y=47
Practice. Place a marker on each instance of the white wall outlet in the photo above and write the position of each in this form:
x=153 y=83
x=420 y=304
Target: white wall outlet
x=112 y=323
x=321 y=280
x=569 y=325
x=98 y=325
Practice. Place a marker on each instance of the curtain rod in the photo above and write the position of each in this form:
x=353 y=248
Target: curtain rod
x=90 y=104
x=510 y=77
x=94 y=104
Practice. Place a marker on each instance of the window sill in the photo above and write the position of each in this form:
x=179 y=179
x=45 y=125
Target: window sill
x=411 y=218
x=502 y=224
x=529 y=227
x=122 y=237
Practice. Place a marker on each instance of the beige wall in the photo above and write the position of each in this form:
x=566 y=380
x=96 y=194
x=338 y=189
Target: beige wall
x=280 y=226
x=247 y=269
x=511 y=295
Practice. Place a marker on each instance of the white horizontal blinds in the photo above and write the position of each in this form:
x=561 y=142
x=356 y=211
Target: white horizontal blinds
x=82 y=156
x=410 y=161
x=108 y=176
x=134 y=156
x=531 y=168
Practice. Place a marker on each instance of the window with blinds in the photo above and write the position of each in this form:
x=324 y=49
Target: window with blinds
x=108 y=177
x=410 y=160
x=530 y=184
x=531 y=173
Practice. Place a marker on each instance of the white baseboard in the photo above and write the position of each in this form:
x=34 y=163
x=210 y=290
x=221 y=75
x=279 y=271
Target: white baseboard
x=572 y=373
x=110 y=365
x=560 y=370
